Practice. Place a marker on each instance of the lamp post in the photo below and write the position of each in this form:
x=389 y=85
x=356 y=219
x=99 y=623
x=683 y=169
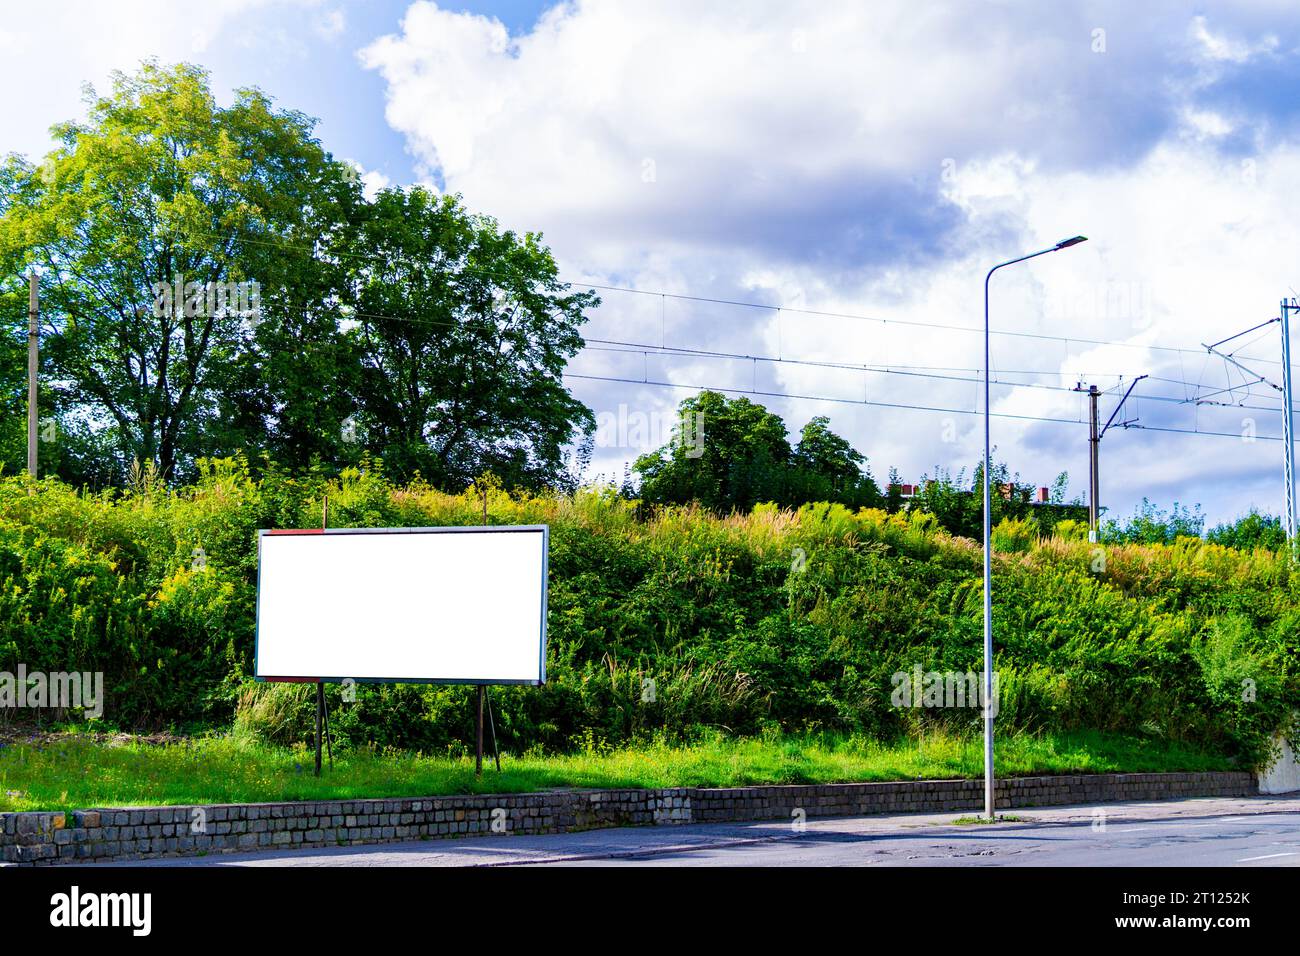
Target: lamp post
x=988 y=532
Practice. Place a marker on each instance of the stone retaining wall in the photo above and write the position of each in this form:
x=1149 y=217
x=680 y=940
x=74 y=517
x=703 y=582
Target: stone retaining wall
x=136 y=833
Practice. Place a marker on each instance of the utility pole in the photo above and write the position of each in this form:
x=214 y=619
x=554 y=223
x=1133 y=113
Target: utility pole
x=1288 y=438
x=33 y=357
x=1095 y=434
x=1094 y=451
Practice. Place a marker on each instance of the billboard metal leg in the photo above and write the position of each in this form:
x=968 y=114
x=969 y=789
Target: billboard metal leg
x=329 y=742
x=320 y=717
x=478 y=736
x=492 y=725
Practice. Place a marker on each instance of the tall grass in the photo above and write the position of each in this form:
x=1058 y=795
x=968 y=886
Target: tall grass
x=790 y=621
x=78 y=772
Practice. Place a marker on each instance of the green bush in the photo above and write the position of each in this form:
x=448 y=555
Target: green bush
x=673 y=626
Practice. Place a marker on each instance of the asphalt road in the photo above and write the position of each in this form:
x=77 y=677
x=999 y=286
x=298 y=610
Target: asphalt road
x=1260 y=831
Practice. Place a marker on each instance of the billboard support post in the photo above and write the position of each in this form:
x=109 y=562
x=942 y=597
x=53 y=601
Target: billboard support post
x=492 y=725
x=478 y=736
x=322 y=726
x=320 y=719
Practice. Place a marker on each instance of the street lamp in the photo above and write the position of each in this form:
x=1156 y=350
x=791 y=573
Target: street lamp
x=988 y=533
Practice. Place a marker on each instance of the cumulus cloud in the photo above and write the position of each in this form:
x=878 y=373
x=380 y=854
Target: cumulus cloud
x=799 y=131
x=875 y=161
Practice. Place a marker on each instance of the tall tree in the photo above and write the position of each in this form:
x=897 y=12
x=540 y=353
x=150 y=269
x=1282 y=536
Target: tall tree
x=732 y=453
x=725 y=454
x=13 y=380
x=177 y=242
x=464 y=331
x=828 y=468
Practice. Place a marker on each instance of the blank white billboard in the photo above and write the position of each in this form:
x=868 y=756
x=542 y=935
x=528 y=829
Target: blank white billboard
x=446 y=605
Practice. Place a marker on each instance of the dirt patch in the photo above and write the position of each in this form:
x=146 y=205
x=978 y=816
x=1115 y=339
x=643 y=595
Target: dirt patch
x=35 y=736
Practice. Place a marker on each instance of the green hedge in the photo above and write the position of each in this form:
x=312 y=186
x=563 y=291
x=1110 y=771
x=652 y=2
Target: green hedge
x=794 y=620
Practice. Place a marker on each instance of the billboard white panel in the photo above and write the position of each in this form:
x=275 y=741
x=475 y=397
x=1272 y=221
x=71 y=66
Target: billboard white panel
x=448 y=605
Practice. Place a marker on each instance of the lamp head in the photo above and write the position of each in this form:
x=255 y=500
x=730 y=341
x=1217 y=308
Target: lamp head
x=1067 y=243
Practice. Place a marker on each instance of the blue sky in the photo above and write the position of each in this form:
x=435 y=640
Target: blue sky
x=869 y=161
x=326 y=81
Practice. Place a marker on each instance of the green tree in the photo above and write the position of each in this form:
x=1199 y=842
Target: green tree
x=162 y=186
x=732 y=454
x=726 y=454
x=1152 y=525
x=13 y=378
x=958 y=503
x=463 y=332
x=828 y=468
x=825 y=453
x=1252 y=530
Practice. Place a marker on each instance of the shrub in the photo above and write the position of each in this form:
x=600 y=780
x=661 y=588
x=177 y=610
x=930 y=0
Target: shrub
x=793 y=620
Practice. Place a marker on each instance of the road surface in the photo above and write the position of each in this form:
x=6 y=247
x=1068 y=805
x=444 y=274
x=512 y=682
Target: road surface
x=1258 y=831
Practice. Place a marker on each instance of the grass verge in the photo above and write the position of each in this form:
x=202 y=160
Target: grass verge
x=75 y=771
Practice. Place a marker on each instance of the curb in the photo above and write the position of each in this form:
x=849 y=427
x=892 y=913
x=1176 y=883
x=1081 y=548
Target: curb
x=135 y=833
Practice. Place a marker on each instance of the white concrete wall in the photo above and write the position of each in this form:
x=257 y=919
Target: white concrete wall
x=1284 y=775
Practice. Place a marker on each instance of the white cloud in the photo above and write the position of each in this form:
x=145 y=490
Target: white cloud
x=751 y=125
x=1217 y=47
x=372 y=180
x=52 y=48
x=878 y=160
x=331 y=23
x=1207 y=124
